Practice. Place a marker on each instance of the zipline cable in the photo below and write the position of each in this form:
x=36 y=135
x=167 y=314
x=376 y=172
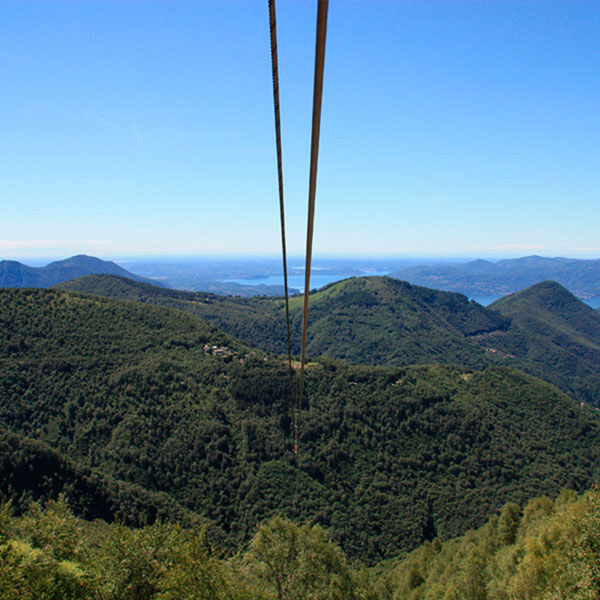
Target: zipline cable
x=275 y=70
x=312 y=188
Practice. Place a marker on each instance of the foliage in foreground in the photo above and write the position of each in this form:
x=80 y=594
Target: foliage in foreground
x=547 y=551
x=52 y=555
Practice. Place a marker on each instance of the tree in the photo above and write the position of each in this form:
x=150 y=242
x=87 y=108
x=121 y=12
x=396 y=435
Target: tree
x=508 y=523
x=53 y=529
x=299 y=562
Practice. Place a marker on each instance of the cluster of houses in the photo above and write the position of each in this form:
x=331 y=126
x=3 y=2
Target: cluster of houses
x=221 y=351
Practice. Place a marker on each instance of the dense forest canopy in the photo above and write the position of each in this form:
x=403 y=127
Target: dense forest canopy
x=159 y=399
x=368 y=320
x=543 y=330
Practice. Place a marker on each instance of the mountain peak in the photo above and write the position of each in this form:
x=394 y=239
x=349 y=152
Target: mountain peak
x=81 y=259
x=549 y=292
x=17 y=275
x=548 y=306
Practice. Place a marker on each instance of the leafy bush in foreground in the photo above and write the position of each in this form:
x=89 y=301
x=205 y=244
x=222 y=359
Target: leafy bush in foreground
x=549 y=550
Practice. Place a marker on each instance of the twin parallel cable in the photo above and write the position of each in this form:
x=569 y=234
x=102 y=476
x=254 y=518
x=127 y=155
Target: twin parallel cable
x=322 y=11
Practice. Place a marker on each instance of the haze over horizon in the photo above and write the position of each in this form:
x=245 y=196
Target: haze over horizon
x=457 y=130
x=295 y=261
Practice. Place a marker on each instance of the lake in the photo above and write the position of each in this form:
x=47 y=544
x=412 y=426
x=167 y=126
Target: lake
x=297 y=281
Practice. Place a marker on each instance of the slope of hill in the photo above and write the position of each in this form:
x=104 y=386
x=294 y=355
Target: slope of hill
x=543 y=550
x=388 y=457
x=484 y=278
x=379 y=320
x=30 y=471
x=17 y=275
x=556 y=334
x=367 y=320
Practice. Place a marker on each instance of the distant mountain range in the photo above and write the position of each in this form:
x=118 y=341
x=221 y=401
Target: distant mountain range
x=543 y=330
x=484 y=278
x=14 y=274
x=479 y=278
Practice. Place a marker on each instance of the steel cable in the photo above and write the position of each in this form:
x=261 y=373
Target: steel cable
x=312 y=188
x=275 y=71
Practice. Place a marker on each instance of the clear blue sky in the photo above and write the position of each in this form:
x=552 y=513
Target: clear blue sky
x=449 y=128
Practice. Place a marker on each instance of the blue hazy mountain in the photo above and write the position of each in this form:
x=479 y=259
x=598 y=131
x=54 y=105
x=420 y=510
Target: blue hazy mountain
x=485 y=278
x=14 y=274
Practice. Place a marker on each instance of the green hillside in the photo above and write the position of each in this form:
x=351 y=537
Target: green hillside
x=379 y=320
x=556 y=335
x=543 y=330
x=32 y=471
x=256 y=320
x=389 y=456
x=544 y=550
x=366 y=320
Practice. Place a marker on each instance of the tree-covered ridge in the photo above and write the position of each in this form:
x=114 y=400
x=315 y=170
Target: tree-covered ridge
x=389 y=457
x=550 y=302
x=553 y=335
x=378 y=320
x=30 y=471
x=367 y=320
x=256 y=320
x=548 y=549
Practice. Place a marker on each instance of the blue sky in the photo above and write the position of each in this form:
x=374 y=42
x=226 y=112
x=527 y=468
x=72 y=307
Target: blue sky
x=451 y=128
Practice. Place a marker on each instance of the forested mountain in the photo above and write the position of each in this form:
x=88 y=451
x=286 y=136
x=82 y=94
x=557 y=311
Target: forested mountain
x=556 y=334
x=388 y=457
x=367 y=320
x=30 y=470
x=14 y=274
x=382 y=321
x=485 y=278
